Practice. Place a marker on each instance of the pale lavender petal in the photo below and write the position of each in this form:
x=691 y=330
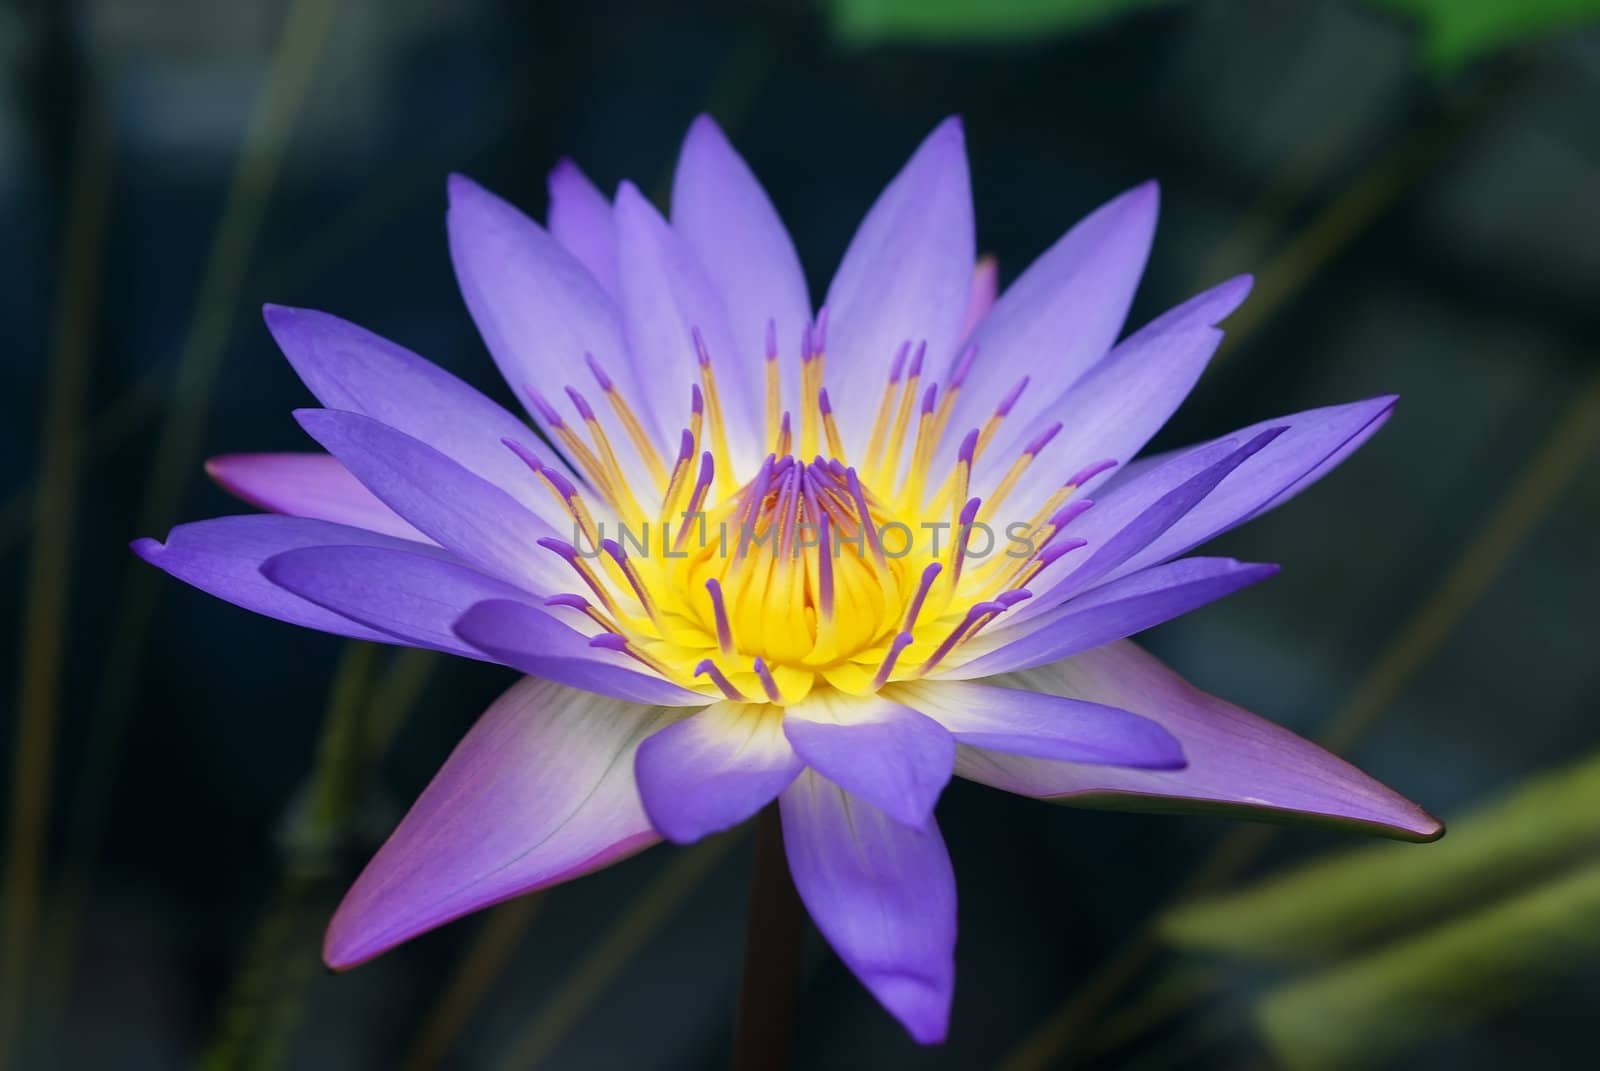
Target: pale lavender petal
x=891 y=756
x=543 y=316
x=1129 y=519
x=981 y=298
x=1113 y=410
x=712 y=771
x=882 y=893
x=475 y=519
x=1239 y=764
x=524 y=637
x=667 y=298
x=1043 y=726
x=223 y=557
x=1062 y=315
x=539 y=792
x=580 y=219
x=1312 y=445
x=414 y=597
x=350 y=368
x=906 y=276
x=307 y=485
x=726 y=219
x=1110 y=612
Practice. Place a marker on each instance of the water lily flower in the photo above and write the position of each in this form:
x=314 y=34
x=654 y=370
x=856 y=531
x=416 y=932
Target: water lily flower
x=751 y=550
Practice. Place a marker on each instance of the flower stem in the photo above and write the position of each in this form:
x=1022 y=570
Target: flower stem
x=770 y=987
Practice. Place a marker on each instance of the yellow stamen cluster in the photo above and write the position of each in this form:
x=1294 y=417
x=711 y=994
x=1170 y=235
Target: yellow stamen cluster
x=809 y=572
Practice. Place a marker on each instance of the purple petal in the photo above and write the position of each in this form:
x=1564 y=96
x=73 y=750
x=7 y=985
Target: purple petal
x=307 y=485
x=981 y=298
x=727 y=221
x=906 y=276
x=882 y=893
x=891 y=756
x=712 y=771
x=223 y=557
x=1312 y=445
x=1043 y=726
x=666 y=298
x=1110 y=612
x=541 y=313
x=414 y=597
x=515 y=634
x=350 y=368
x=1239 y=763
x=1125 y=522
x=539 y=792
x=1063 y=314
x=1120 y=403
x=580 y=219
x=477 y=520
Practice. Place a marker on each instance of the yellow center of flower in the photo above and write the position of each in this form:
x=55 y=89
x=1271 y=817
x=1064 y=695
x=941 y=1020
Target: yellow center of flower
x=812 y=571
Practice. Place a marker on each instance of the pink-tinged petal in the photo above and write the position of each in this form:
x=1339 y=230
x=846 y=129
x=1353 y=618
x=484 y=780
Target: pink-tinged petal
x=543 y=315
x=712 y=771
x=889 y=755
x=882 y=893
x=515 y=634
x=1112 y=611
x=414 y=597
x=350 y=368
x=1043 y=726
x=223 y=557
x=580 y=219
x=1312 y=445
x=1062 y=315
x=905 y=276
x=1119 y=404
x=538 y=792
x=981 y=298
x=1239 y=764
x=667 y=299
x=726 y=219
x=307 y=485
x=477 y=520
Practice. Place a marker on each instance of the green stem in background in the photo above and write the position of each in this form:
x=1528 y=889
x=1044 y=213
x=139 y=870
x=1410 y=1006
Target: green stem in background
x=258 y=1016
x=45 y=607
x=657 y=900
x=284 y=92
x=774 y=937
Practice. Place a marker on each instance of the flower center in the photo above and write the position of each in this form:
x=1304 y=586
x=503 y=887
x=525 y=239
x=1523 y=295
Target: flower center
x=813 y=572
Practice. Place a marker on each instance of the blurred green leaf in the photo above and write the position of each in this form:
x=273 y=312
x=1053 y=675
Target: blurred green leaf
x=1458 y=31
x=870 y=21
x=1356 y=895
x=1375 y=1007
x=1454 y=32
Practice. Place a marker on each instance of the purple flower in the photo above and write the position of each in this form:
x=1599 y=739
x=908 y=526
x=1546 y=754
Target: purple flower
x=826 y=559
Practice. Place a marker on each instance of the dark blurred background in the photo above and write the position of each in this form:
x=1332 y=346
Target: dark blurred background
x=189 y=788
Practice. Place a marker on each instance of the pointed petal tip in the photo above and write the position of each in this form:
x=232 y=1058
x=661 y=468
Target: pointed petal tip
x=1237 y=288
x=1145 y=198
x=147 y=548
x=336 y=952
x=704 y=126
x=922 y=1006
x=459 y=187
